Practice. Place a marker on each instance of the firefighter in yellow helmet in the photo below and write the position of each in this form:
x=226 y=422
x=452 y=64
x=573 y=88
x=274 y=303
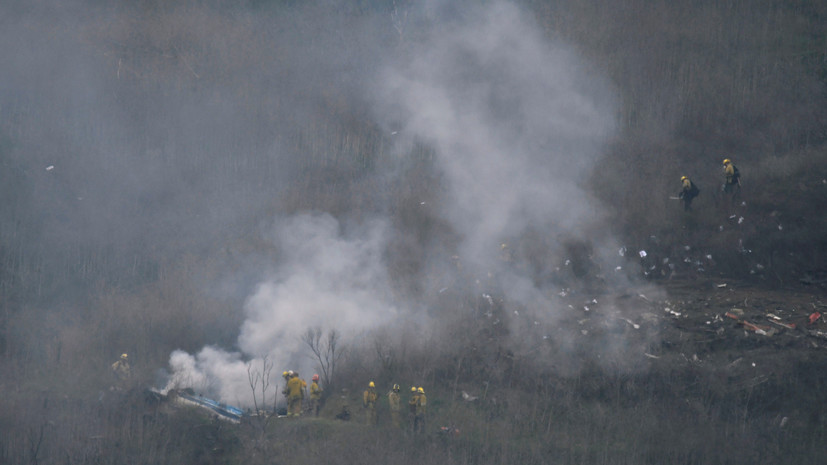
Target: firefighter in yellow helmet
x=369 y=399
x=121 y=368
x=395 y=405
x=412 y=408
x=688 y=192
x=295 y=394
x=732 y=185
x=421 y=405
x=315 y=395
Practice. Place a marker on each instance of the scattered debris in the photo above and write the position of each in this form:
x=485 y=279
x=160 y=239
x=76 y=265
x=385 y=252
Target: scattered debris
x=468 y=397
x=814 y=317
x=650 y=355
x=757 y=329
x=50 y=167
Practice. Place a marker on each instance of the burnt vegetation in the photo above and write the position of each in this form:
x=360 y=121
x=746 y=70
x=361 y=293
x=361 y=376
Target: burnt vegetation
x=159 y=243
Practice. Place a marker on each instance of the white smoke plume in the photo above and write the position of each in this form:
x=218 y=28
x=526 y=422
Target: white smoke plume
x=326 y=277
x=516 y=122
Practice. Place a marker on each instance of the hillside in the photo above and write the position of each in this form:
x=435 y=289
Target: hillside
x=472 y=197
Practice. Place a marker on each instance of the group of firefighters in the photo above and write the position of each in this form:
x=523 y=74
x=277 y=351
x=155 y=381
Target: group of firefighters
x=731 y=186
x=417 y=406
x=295 y=388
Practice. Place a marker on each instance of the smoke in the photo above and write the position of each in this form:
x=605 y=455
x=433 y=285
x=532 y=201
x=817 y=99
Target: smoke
x=517 y=123
x=327 y=278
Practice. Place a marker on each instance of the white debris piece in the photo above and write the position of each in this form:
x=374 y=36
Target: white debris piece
x=740 y=220
x=567 y=262
x=586 y=308
x=443 y=290
x=687 y=248
x=780 y=227
x=650 y=355
x=709 y=257
x=622 y=252
x=618 y=268
x=634 y=325
x=642 y=254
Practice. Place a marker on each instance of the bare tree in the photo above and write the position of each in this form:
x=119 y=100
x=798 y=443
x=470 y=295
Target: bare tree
x=399 y=18
x=259 y=385
x=326 y=350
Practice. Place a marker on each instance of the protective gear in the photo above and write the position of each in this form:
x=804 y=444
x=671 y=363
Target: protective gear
x=395 y=405
x=315 y=396
x=419 y=418
x=688 y=192
x=727 y=161
x=733 y=178
x=121 y=368
x=413 y=388
x=370 y=384
x=369 y=402
x=295 y=394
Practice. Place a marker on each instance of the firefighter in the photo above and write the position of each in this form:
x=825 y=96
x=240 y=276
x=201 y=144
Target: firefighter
x=315 y=396
x=395 y=405
x=286 y=375
x=688 y=192
x=121 y=368
x=295 y=394
x=732 y=185
x=412 y=408
x=421 y=405
x=369 y=402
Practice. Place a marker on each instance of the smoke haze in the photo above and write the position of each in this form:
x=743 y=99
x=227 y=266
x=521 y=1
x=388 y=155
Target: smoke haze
x=516 y=123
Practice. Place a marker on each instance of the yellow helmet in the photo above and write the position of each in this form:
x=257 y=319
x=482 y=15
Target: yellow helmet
x=683 y=178
x=395 y=388
x=370 y=384
x=285 y=374
x=420 y=390
x=123 y=356
x=413 y=388
x=727 y=160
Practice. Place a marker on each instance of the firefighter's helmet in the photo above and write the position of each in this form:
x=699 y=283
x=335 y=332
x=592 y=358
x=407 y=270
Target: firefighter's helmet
x=315 y=377
x=727 y=160
x=371 y=384
x=420 y=390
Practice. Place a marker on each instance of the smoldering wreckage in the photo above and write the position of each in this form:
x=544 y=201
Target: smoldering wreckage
x=738 y=329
